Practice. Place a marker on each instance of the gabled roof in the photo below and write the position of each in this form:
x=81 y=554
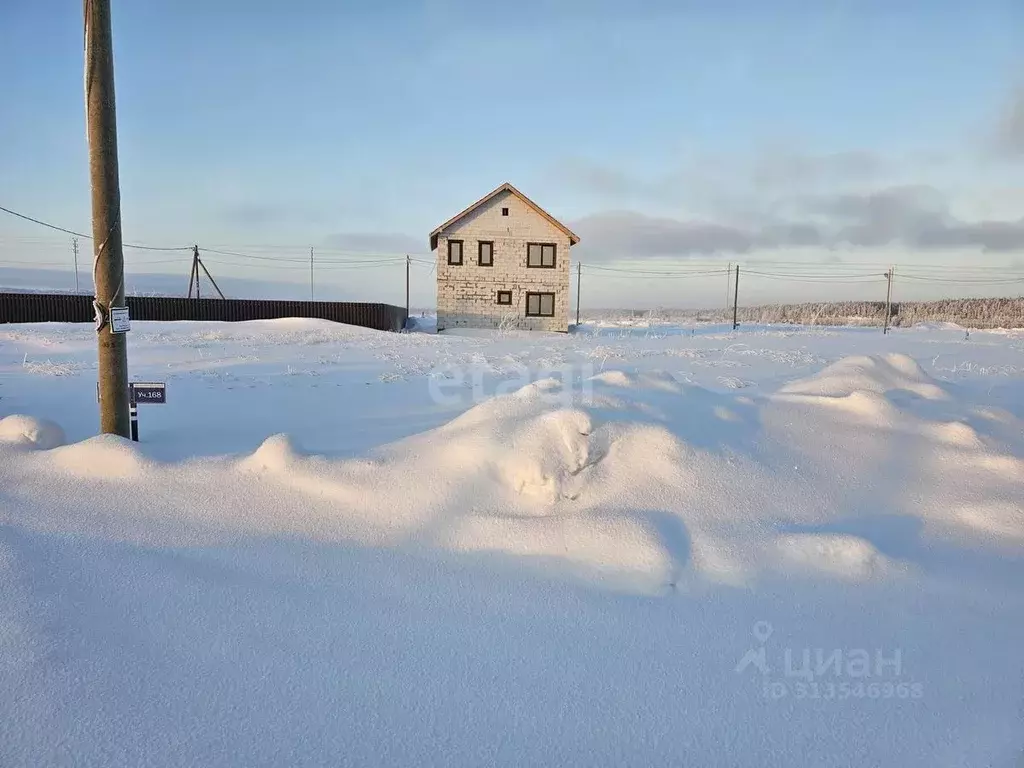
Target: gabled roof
x=506 y=187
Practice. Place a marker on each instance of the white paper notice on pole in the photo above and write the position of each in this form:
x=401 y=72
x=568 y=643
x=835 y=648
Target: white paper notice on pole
x=119 y=322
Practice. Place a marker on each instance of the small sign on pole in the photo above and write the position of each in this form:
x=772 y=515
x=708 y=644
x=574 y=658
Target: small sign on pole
x=140 y=392
x=154 y=392
x=119 y=320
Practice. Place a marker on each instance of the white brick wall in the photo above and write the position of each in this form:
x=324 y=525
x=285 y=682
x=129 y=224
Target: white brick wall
x=467 y=295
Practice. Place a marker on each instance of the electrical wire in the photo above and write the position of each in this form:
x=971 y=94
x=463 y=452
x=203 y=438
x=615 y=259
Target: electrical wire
x=781 y=270
x=90 y=237
x=589 y=267
x=960 y=281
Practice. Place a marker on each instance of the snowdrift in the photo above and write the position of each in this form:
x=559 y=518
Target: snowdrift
x=635 y=480
x=567 y=574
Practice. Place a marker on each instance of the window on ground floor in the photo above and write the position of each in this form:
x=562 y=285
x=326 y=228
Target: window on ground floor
x=540 y=255
x=540 y=305
x=504 y=297
x=455 y=252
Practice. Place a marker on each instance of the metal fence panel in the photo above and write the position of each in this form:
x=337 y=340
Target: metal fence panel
x=77 y=308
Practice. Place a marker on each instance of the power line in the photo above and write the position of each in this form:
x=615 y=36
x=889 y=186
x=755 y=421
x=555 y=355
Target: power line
x=303 y=250
x=89 y=237
x=34 y=263
x=663 y=276
x=814 y=275
x=962 y=281
x=653 y=273
x=304 y=260
x=335 y=266
x=251 y=256
x=814 y=279
x=42 y=223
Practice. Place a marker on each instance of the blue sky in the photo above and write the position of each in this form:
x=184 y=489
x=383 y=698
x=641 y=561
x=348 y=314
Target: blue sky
x=675 y=133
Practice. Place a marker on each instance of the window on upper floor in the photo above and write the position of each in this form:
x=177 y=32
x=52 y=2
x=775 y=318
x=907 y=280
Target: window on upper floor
x=541 y=255
x=485 y=253
x=455 y=252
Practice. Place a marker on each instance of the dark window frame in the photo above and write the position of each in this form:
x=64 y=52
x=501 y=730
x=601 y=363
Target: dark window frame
x=504 y=211
x=540 y=295
x=480 y=253
x=542 y=265
x=504 y=303
x=462 y=253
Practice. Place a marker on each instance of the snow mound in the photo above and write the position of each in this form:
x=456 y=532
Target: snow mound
x=879 y=375
x=546 y=450
x=997 y=415
x=955 y=433
x=276 y=454
x=1000 y=465
x=932 y=325
x=104 y=457
x=843 y=556
x=535 y=474
x=309 y=324
x=613 y=550
x=659 y=380
x=1002 y=520
x=39 y=434
x=868 y=406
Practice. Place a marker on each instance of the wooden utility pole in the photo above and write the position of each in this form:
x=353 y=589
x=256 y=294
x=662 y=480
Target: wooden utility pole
x=407 y=263
x=108 y=269
x=736 y=300
x=579 y=272
x=888 y=300
x=74 y=250
x=310 y=273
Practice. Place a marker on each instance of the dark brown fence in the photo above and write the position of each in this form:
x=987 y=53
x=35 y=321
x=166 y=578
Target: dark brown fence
x=76 y=308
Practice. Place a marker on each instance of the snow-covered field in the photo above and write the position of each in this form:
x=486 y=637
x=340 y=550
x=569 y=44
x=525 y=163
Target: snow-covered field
x=627 y=546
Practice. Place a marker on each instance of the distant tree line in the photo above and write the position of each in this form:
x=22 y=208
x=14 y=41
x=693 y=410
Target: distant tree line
x=972 y=313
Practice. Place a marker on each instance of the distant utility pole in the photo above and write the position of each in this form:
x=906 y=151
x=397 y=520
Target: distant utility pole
x=197 y=264
x=195 y=271
x=311 y=273
x=736 y=300
x=74 y=250
x=407 y=263
x=208 y=277
x=888 y=300
x=579 y=272
x=108 y=270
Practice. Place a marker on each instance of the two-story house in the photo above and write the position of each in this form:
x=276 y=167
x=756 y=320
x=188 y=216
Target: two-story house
x=503 y=262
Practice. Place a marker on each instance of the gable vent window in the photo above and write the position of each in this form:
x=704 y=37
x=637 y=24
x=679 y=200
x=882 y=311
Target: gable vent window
x=540 y=255
x=485 y=254
x=540 y=305
x=504 y=297
x=504 y=211
x=455 y=252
